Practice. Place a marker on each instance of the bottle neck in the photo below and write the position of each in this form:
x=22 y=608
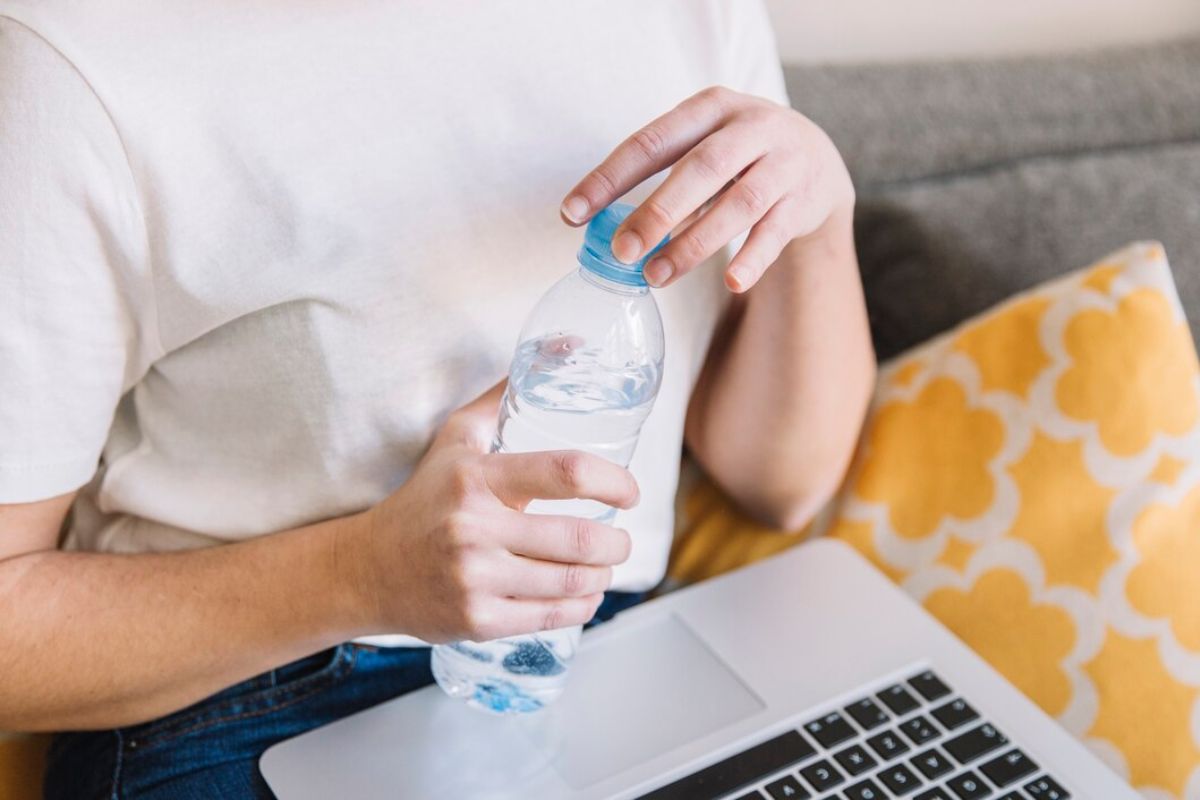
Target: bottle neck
x=612 y=286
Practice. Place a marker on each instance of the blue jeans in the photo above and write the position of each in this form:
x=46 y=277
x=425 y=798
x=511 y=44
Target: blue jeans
x=211 y=749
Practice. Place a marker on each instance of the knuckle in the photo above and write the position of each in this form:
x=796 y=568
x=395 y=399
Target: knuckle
x=650 y=143
x=478 y=618
x=658 y=214
x=470 y=573
x=555 y=617
x=750 y=198
x=691 y=246
x=604 y=180
x=570 y=468
x=459 y=531
x=714 y=94
x=573 y=577
x=775 y=234
x=712 y=162
x=583 y=538
x=761 y=112
x=458 y=576
x=462 y=479
x=459 y=619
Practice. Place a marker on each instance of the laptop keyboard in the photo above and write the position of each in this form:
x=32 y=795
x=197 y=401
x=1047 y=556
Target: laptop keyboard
x=916 y=739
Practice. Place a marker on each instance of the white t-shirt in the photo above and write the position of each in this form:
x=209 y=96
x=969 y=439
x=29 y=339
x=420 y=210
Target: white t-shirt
x=253 y=252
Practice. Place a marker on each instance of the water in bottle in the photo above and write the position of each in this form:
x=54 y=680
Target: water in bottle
x=584 y=377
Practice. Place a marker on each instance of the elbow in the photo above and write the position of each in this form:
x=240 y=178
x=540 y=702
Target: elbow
x=785 y=480
x=800 y=488
x=784 y=517
x=791 y=508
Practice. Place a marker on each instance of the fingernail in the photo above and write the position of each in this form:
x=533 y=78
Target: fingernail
x=658 y=272
x=738 y=278
x=575 y=208
x=627 y=247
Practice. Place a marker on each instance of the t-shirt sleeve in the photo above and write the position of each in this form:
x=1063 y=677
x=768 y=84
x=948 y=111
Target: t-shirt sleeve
x=752 y=64
x=73 y=271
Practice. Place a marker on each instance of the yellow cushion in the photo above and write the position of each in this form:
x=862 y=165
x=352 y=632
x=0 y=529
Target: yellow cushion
x=1033 y=479
x=22 y=759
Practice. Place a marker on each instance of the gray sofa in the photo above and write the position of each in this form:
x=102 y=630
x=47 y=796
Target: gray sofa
x=979 y=179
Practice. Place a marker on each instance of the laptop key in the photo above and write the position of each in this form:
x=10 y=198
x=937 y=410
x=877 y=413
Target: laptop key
x=1013 y=795
x=1008 y=768
x=787 y=788
x=855 y=760
x=822 y=775
x=1046 y=788
x=830 y=729
x=864 y=790
x=936 y=793
x=753 y=795
x=739 y=770
x=888 y=745
x=932 y=764
x=929 y=686
x=867 y=714
x=919 y=730
x=968 y=786
x=898 y=699
x=971 y=745
x=899 y=779
x=954 y=714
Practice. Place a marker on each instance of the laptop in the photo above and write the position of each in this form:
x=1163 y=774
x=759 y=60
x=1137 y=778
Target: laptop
x=809 y=675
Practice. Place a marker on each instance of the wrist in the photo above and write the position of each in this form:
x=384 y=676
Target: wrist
x=831 y=246
x=352 y=577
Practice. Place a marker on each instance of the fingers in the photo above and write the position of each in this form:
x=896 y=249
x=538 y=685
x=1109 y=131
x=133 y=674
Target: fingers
x=651 y=149
x=529 y=577
x=698 y=176
x=568 y=540
x=527 y=615
x=762 y=247
x=519 y=478
x=742 y=205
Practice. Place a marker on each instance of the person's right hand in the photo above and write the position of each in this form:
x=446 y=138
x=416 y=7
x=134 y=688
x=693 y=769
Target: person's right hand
x=450 y=554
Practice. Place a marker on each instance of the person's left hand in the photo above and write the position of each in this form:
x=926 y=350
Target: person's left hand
x=739 y=163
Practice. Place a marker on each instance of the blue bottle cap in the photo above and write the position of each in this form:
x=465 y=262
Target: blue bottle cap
x=596 y=254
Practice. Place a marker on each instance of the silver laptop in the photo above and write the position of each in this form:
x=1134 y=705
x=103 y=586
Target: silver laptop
x=809 y=675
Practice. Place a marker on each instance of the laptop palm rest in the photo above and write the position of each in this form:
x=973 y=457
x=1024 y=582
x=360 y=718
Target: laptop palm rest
x=633 y=694
x=640 y=693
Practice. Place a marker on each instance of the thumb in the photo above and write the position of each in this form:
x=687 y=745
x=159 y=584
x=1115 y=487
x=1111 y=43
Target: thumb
x=474 y=424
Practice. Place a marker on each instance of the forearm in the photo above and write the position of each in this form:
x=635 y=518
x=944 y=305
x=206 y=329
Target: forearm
x=95 y=640
x=779 y=405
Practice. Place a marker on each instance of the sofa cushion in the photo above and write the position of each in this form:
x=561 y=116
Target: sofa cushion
x=979 y=179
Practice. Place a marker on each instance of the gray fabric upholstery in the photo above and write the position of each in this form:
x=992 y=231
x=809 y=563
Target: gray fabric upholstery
x=979 y=179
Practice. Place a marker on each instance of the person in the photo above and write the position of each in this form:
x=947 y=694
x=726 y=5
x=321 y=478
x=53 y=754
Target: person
x=257 y=258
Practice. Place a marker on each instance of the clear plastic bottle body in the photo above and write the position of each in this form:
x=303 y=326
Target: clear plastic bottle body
x=584 y=377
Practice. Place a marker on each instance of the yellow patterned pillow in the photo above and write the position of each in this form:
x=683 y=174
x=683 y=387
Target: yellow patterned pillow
x=21 y=762
x=1033 y=478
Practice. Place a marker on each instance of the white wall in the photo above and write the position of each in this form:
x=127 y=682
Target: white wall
x=877 y=30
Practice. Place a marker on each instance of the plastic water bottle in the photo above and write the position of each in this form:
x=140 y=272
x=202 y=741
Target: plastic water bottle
x=584 y=377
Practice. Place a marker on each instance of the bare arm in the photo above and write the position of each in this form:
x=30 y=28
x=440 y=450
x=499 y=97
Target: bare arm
x=92 y=640
x=778 y=407
x=779 y=404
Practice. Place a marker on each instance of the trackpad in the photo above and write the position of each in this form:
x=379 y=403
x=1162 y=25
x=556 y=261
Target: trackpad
x=636 y=695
